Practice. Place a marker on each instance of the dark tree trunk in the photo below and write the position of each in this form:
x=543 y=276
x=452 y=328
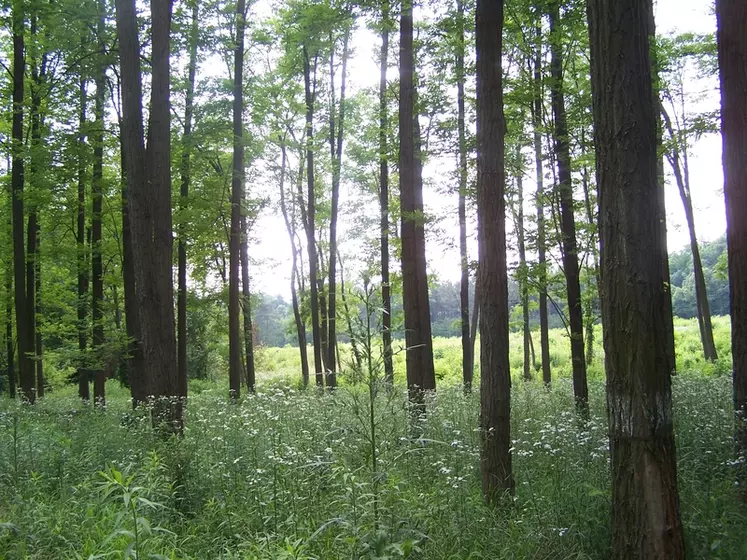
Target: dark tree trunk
x=592 y=301
x=568 y=222
x=186 y=176
x=467 y=357
x=84 y=391
x=9 y=347
x=540 y=203
x=732 y=54
x=149 y=178
x=237 y=196
x=523 y=279
x=645 y=504
x=495 y=374
x=246 y=306
x=420 y=370
x=310 y=221
x=681 y=176
x=335 y=144
x=475 y=317
x=97 y=271
x=386 y=289
x=23 y=331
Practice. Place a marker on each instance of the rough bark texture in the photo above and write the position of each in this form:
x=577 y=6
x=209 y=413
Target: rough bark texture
x=467 y=357
x=149 y=178
x=386 y=298
x=568 y=222
x=732 y=54
x=645 y=504
x=310 y=221
x=23 y=331
x=495 y=374
x=186 y=175
x=540 y=203
x=420 y=369
x=237 y=194
x=84 y=391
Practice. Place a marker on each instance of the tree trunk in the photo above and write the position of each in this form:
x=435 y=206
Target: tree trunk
x=467 y=364
x=523 y=279
x=592 y=301
x=701 y=294
x=732 y=54
x=186 y=176
x=495 y=374
x=246 y=306
x=23 y=331
x=568 y=222
x=420 y=370
x=237 y=196
x=149 y=178
x=475 y=318
x=84 y=391
x=540 y=203
x=310 y=222
x=40 y=382
x=97 y=271
x=9 y=347
x=386 y=289
x=645 y=505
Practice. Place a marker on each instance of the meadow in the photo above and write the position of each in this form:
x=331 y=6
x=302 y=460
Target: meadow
x=296 y=475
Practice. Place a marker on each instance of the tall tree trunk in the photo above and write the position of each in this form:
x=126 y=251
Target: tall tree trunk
x=186 y=177
x=537 y=105
x=336 y=152
x=23 y=331
x=475 y=318
x=645 y=505
x=523 y=279
x=97 y=184
x=9 y=347
x=592 y=301
x=40 y=382
x=467 y=357
x=568 y=222
x=495 y=373
x=683 y=186
x=246 y=305
x=237 y=195
x=732 y=54
x=310 y=222
x=420 y=369
x=149 y=178
x=84 y=391
x=386 y=288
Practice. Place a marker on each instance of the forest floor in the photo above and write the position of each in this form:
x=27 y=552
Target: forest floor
x=290 y=474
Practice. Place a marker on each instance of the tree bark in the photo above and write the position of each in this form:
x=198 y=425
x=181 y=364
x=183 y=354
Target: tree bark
x=568 y=222
x=420 y=370
x=246 y=306
x=540 y=204
x=523 y=279
x=645 y=505
x=237 y=182
x=186 y=177
x=732 y=54
x=467 y=357
x=386 y=289
x=84 y=391
x=495 y=374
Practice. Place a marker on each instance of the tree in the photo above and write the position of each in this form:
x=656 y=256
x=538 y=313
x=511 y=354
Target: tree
x=732 y=56
x=84 y=390
x=568 y=223
x=421 y=374
x=149 y=187
x=645 y=504
x=495 y=376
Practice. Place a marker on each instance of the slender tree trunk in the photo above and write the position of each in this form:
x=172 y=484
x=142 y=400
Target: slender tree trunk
x=467 y=364
x=645 y=505
x=97 y=271
x=495 y=374
x=475 y=318
x=540 y=203
x=523 y=279
x=420 y=370
x=593 y=300
x=310 y=222
x=38 y=312
x=568 y=222
x=732 y=54
x=186 y=176
x=23 y=331
x=9 y=347
x=701 y=295
x=84 y=391
x=246 y=306
x=386 y=289
x=237 y=181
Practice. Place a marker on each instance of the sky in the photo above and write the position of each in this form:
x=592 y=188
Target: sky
x=271 y=251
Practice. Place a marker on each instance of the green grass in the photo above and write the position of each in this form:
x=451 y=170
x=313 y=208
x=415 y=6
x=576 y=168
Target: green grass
x=288 y=474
